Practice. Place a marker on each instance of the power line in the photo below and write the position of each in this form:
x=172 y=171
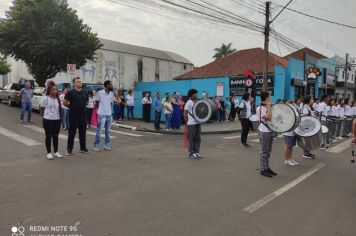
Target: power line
x=318 y=18
x=282 y=10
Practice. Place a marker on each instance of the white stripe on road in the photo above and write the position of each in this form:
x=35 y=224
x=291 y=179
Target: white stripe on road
x=124 y=133
x=40 y=130
x=260 y=203
x=235 y=137
x=340 y=147
x=19 y=138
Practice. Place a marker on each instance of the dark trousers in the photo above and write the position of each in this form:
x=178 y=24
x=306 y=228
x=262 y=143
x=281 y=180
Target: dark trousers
x=89 y=112
x=194 y=138
x=146 y=112
x=130 y=112
x=122 y=112
x=157 y=119
x=245 y=124
x=52 y=128
x=74 y=124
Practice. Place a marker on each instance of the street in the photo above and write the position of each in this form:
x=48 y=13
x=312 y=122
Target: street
x=148 y=186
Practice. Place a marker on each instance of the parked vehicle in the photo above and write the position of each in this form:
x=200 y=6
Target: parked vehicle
x=11 y=93
x=38 y=93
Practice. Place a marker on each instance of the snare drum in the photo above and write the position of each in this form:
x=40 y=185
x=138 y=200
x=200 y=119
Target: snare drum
x=309 y=133
x=254 y=121
x=204 y=110
x=284 y=118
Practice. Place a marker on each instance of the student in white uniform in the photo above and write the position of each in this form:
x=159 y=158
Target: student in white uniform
x=323 y=113
x=333 y=115
x=341 y=116
x=290 y=141
x=307 y=111
x=348 y=118
x=265 y=134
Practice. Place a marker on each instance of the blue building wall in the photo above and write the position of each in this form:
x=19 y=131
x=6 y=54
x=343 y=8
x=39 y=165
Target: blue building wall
x=295 y=70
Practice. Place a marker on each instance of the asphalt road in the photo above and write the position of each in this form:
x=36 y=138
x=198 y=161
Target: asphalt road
x=147 y=186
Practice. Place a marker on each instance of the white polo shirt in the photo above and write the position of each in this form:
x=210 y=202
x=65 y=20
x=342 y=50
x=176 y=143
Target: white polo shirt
x=261 y=113
x=105 y=100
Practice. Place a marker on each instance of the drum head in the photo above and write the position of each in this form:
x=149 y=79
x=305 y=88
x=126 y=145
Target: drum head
x=309 y=126
x=253 y=118
x=324 y=129
x=203 y=110
x=283 y=118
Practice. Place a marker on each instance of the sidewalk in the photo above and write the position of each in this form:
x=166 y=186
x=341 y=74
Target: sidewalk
x=209 y=128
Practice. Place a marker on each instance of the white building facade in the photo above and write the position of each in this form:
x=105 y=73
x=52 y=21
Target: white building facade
x=121 y=63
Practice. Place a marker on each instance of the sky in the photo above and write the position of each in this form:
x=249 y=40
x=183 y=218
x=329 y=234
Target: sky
x=196 y=42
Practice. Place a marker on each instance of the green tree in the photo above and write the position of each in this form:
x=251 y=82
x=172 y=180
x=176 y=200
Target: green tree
x=223 y=51
x=4 y=67
x=46 y=35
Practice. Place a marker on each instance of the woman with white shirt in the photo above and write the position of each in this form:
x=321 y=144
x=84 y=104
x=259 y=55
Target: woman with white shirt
x=51 y=110
x=65 y=110
x=146 y=107
x=168 y=109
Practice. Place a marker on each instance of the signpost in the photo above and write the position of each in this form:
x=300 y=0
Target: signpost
x=71 y=68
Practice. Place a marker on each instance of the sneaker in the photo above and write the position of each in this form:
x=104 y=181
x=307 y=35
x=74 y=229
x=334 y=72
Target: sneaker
x=266 y=173
x=198 y=155
x=308 y=156
x=22 y=121
x=334 y=141
x=193 y=156
x=323 y=147
x=84 y=151
x=295 y=163
x=69 y=153
x=340 y=138
x=58 y=155
x=271 y=172
x=96 y=149
x=289 y=163
x=50 y=156
x=167 y=130
x=107 y=148
x=29 y=121
x=246 y=145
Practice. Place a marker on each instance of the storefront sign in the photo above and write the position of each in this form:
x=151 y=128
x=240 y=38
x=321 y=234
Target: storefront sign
x=312 y=73
x=241 y=84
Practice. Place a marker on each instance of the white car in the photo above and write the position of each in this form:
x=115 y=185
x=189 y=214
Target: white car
x=37 y=96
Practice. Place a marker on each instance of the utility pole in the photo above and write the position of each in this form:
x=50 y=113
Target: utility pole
x=346 y=72
x=266 y=33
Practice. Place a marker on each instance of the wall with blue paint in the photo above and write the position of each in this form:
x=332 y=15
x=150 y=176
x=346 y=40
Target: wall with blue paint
x=295 y=70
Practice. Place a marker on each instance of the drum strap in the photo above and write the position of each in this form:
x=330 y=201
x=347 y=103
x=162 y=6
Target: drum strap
x=260 y=112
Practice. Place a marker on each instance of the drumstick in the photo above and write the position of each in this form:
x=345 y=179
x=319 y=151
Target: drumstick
x=353 y=153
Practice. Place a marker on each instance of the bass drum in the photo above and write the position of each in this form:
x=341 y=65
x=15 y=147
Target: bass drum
x=284 y=118
x=309 y=133
x=205 y=110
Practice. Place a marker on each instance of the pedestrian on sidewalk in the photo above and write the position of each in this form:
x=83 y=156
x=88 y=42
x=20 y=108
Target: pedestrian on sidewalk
x=222 y=109
x=26 y=95
x=168 y=110
x=227 y=109
x=193 y=126
x=265 y=134
x=117 y=108
x=244 y=113
x=77 y=100
x=233 y=109
x=181 y=108
x=51 y=111
x=105 y=98
x=90 y=107
x=146 y=108
x=122 y=105
x=176 y=116
x=65 y=110
x=158 y=111
x=130 y=103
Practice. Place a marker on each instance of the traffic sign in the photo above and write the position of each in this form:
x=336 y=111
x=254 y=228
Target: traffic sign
x=71 y=68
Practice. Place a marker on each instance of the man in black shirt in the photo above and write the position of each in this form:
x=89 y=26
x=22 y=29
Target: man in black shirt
x=76 y=100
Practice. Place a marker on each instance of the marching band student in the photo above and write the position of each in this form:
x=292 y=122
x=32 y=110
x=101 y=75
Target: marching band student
x=290 y=141
x=348 y=118
x=333 y=115
x=307 y=111
x=194 y=128
x=316 y=105
x=354 y=108
x=340 y=114
x=244 y=113
x=323 y=113
x=265 y=134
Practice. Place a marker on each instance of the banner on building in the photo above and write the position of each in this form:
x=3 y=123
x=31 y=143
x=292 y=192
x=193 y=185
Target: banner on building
x=220 y=89
x=241 y=84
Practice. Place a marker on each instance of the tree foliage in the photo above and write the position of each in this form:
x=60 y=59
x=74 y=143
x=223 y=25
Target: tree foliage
x=4 y=67
x=223 y=51
x=47 y=36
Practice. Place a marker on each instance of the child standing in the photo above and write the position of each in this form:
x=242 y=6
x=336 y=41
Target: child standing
x=90 y=107
x=265 y=135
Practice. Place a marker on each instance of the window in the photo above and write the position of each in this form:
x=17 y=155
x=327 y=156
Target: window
x=184 y=66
